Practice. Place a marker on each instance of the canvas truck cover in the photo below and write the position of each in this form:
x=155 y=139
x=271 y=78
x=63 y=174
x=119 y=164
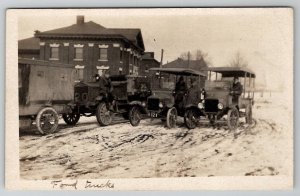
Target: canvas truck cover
x=42 y=82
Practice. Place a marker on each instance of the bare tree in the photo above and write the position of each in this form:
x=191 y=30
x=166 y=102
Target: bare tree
x=184 y=55
x=238 y=61
x=197 y=55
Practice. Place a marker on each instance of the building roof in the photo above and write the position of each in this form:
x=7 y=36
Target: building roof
x=92 y=29
x=31 y=43
x=232 y=71
x=191 y=64
x=148 y=55
x=179 y=71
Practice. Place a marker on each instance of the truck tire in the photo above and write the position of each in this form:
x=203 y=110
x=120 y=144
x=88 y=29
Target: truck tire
x=171 y=118
x=233 y=119
x=134 y=116
x=103 y=114
x=47 y=120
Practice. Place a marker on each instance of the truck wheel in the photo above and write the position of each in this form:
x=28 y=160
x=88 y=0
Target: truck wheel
x=233 y=119
x=249 y=114
x=134 y=116
x=190 y=119
x=47 y=121
x=103 y=114
x=71 y=118
x=171 y=117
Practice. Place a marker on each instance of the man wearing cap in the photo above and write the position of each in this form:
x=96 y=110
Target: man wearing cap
x=104 y=83
x=236 y=90
x=106 y=89
x=194 y=94
x=180 y=91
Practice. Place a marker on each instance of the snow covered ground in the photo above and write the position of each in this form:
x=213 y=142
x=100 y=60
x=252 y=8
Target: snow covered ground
x=89 y=151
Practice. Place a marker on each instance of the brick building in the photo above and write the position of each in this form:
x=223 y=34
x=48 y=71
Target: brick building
x=148 y=61
x=90 y=47
x=29 y=48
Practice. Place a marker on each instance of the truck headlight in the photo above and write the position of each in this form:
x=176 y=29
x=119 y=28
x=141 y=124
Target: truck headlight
x=143 y=104
x=220 y=106
x=200 y=105
x=160 y=105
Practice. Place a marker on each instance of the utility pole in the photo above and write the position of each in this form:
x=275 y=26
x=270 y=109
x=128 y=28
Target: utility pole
x=189 y=56
x=162 y=56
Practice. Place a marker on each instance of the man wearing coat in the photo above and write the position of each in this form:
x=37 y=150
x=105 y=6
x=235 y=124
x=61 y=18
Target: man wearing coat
x=106 y=89
x=236 y=90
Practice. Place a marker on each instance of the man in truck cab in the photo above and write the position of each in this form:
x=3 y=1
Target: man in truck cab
x=180 y=91
x=106 y=88
x=236 y=90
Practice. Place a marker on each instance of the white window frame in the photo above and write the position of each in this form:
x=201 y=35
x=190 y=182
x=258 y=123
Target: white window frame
x=101 y=68
x=76 y=46
x=51 y=47
x=103 y=46
x=80 y=68
x=121 y=52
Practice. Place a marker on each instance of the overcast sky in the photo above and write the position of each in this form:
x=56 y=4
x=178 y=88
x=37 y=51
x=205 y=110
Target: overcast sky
x=262 y=36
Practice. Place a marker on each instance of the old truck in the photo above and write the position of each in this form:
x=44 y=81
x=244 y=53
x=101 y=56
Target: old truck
x=89 y=100
x=165 y=103
x=219 y=97
x=45 y=90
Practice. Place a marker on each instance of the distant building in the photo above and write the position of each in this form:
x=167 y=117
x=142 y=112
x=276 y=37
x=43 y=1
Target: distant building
x=148 y=61
x=29 y=48
x=199 y=65
x=89 y=46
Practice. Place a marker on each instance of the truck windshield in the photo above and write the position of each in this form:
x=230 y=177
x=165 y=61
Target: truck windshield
x=163 y=81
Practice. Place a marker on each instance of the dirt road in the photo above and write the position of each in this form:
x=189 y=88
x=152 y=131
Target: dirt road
x=151 y=150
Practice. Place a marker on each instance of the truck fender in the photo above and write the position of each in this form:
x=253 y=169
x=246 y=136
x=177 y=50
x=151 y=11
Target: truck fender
x=191 y=106
x=139 y=104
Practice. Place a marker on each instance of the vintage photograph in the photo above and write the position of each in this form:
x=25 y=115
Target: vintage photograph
x=105 y=96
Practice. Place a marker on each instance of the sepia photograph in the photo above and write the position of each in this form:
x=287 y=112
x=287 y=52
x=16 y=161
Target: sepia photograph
x=149 y=99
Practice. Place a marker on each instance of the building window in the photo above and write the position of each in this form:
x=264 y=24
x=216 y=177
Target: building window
x=103 y=54
x=102 y=69
x=54 y=53
x=121 y=55
x=135 y=60
x=78 y=54
x=79 y=72
x=131 y=59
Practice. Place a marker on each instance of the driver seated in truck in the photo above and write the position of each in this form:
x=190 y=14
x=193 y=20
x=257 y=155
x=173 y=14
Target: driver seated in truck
x=106 y=89
x=236 y=90
x=180 y=91
x=194 y=94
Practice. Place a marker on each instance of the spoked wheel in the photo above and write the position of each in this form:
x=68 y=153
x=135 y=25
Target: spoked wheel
x=103 y=114
x=134 y=116
x=191 y=119
x=233 y=119
x=47 y=121
x=248 y=114
x=71 y=118
x=171 y=117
